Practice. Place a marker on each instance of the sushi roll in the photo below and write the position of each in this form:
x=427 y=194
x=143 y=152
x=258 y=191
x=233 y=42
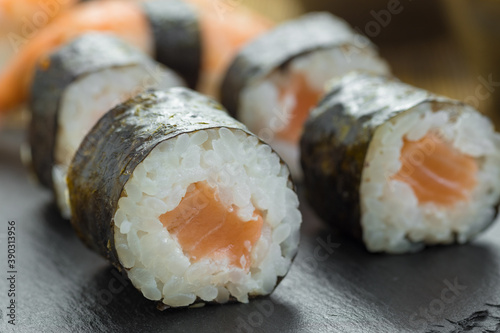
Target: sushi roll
x=399 y=167
x=276 y=79
x=73 y=87
x=185 y=200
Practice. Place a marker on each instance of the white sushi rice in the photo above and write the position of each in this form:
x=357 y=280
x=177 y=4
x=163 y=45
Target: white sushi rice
x=265 y=114
x=85 y=101
x=392 y=218
x=245 y=174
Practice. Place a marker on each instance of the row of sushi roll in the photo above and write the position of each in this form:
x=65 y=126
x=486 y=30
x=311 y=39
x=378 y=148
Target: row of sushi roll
x=395 y=166
x=166 y=185
x=193 y=205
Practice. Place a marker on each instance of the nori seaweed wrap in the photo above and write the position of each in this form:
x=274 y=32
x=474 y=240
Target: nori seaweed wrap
x=177 y=36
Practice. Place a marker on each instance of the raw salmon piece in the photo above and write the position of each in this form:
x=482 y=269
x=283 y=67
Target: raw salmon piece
x=205 y=228
x=436 y=171
x=306 y=98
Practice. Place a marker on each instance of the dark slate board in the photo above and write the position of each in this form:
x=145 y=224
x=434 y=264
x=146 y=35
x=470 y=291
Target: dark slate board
x=62 y=286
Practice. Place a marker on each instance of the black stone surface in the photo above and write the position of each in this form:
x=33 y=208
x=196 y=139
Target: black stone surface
x=61 y=286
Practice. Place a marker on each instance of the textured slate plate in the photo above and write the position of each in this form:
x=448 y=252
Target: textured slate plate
x=333 y=286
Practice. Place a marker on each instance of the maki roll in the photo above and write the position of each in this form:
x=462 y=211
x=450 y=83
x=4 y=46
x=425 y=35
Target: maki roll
x=179 y=195
x=73 y=87
x=276 y=79
x=399 y=167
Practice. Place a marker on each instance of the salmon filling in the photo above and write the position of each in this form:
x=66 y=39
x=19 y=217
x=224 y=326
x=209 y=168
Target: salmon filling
x=436 y=171
x=205 y=228
x=305 y=99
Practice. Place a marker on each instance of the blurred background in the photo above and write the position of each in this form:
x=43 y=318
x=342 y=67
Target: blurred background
x=450 y=47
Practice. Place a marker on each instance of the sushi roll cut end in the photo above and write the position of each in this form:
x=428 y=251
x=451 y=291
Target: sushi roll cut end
x=278 y=78
x=410 y=168
x=430 y=177
x=207 y=213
